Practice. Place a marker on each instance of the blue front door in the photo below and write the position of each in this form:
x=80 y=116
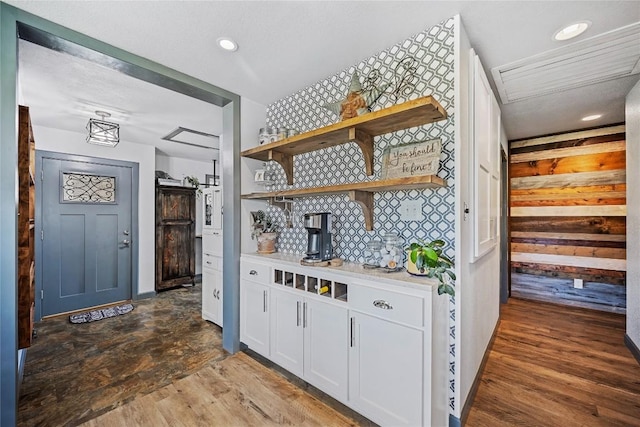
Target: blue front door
x=86 y=232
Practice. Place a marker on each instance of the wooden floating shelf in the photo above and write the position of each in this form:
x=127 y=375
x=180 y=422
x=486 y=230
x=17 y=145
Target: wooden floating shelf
x=360 y=192
x=360 y=130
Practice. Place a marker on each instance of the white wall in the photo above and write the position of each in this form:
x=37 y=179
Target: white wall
x=478 y=284
x=253 y=118
x=74 y=143
x=633 y=214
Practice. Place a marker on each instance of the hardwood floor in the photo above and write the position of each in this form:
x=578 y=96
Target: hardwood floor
x=596 y=296
x=237 y=391
x=558 y=366
x=160 y=365
x=76 y=372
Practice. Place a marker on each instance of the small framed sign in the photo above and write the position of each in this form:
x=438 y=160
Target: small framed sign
x=259 y=175
x=413 y=159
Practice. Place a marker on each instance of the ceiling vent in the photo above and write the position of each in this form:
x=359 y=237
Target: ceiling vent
x=605 y=57
x=194 y=138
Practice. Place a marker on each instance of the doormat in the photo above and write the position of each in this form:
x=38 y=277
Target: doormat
x=95 y=315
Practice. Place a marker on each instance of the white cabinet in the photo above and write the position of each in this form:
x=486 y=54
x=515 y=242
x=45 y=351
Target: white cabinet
x=212 y=255
x=485 y=117
x=254 y=316
x=309 y=338
x=254 y=307
x=212 y=209
x=386 y=357
x=326 y=338
x=386 y=371
x=212 y=221
x=286 y=331
x=212 y=288
x=377 y=347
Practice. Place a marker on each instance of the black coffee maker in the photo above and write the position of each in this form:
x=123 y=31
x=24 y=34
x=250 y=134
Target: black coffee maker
x=319 y=246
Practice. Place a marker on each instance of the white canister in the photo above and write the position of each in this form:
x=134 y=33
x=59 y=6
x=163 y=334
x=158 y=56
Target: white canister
x=264 y=136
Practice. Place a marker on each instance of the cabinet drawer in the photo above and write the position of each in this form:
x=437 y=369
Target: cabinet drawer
x=212 y=243
x=211 y=261
x=408 y=309
x=255 y=272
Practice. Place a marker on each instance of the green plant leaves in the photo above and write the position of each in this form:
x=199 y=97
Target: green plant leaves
x=446 y=289
x=430 y=254
x=414 y=246
x=437 y=243
x=420 y=258
x=428 y=259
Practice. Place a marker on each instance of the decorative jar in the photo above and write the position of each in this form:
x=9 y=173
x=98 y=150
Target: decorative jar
x=391 y=252
x=372 y=255
x=264 y=136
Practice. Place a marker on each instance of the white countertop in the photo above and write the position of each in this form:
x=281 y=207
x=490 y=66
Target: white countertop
x=399 y=278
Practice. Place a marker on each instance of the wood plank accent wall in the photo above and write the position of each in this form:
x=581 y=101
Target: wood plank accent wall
x=568 y=205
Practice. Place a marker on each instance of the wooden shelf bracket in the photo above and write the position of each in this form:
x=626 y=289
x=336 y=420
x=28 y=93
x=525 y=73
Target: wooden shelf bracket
x=365 y=200
x=286 y=161
x=365 y=142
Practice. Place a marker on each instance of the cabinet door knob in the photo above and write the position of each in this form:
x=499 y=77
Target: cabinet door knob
x=382 y=304
x=253 y=273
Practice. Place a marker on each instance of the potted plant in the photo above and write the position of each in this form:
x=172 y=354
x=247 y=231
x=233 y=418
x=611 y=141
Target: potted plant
x=194 y=182
x=265 y=231
x=427 y=259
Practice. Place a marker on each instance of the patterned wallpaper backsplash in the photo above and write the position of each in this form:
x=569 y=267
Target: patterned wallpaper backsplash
x=304 y=111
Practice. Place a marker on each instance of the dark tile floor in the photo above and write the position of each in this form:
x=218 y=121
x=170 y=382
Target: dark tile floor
x=74 y=373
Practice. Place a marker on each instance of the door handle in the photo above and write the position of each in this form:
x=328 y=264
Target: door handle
x=126 y=242
x=253 y=272
x=382 y=304
x=304 y=315
x=264 y=301
x=351 y=330
x=297 y=313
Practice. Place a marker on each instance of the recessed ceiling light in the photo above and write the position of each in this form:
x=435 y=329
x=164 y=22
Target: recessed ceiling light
x=571 y=31
x=227 y=44
x=591 y=117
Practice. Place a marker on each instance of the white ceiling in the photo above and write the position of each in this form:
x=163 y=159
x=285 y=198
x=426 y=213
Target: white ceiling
x=63 y=92
x=287 y=46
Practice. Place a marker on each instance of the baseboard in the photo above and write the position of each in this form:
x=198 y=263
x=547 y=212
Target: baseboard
x=633 y=348
x=476 y=381
x=145 y=295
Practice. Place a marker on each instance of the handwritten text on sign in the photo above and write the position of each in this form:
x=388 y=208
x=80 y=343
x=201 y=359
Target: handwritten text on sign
x=414 y=159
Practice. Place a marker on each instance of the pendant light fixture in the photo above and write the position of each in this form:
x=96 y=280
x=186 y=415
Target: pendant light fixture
x=102 y=132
